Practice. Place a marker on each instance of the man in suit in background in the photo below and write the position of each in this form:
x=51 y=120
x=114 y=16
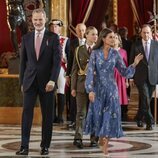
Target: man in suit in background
x=39 y=70
x=146 y=75
x=74 y=43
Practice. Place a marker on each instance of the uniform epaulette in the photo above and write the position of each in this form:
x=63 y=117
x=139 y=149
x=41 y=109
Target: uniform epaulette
x=81 y=71
x=82 y=46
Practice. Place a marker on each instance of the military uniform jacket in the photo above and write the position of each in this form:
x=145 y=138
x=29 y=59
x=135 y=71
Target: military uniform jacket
x=79 y=69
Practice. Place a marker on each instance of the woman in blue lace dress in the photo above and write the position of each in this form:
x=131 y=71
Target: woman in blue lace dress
x=104 y=115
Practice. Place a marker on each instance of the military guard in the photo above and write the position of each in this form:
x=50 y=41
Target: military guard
x=55 y=26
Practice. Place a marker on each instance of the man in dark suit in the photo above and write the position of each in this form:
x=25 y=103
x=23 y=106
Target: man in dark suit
x=74 y=43
x=146 y=76
x=39 y=70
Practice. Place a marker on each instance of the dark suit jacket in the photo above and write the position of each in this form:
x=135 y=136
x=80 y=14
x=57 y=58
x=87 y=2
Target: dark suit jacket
x=78 y=81
x=73 y=45
x=47 y=67
x=67 y=48
x=145 y=69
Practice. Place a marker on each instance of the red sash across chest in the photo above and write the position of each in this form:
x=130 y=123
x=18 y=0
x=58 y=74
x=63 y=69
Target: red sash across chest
x=62 y=42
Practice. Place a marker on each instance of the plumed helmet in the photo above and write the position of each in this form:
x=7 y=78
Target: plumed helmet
x=56 y=22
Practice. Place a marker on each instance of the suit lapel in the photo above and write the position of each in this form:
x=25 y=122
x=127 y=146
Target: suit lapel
x=77 y=42
x=151 y=49
x=44 y=43
x=141 y=50
x=32 y=43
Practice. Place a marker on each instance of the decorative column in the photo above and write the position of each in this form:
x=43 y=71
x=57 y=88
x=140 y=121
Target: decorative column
x=115 y=15
x=59 y=10
x=157 y=6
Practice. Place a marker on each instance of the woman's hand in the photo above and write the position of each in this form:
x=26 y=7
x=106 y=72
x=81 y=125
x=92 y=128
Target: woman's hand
x=92 y=96
x=127 y=83
x=137 y=59
x=131 y=83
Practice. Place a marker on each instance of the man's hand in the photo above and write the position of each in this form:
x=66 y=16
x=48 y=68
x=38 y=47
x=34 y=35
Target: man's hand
x=22 y=89
x=73 y=93
x=68 y=81
x=50 y=86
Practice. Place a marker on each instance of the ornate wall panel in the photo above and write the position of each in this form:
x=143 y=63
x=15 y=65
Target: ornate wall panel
x=115 y=11
x=59 y=10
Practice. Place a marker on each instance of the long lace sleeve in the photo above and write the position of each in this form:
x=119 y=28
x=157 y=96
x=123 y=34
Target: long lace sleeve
x=89 y=83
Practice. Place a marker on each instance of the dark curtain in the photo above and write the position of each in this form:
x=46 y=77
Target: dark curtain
x=5 y=42
x=142 y=8
x=98 y=13
x=125 y=16
x=78 y=9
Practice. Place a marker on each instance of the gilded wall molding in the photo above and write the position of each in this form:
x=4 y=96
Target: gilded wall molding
x=115 y=11
x=59 y=10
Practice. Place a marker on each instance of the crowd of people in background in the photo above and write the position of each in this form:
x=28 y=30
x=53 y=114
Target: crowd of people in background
x=77 y=71
x=89 y=76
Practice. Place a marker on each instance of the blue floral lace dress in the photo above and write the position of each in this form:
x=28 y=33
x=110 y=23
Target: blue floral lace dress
x=104 y=114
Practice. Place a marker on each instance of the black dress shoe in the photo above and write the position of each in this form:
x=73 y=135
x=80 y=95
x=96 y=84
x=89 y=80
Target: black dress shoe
x=140 y=124
x=149 y=127
x=22 y=151
x=78 y=143
x=44 y=151
x=93 y=144
x=58 y=120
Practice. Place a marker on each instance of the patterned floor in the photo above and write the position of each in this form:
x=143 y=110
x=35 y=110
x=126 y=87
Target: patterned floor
x=138 y=143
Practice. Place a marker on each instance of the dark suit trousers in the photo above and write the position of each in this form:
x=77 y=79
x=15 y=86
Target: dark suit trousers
x=145 y=94
x=46 y=102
